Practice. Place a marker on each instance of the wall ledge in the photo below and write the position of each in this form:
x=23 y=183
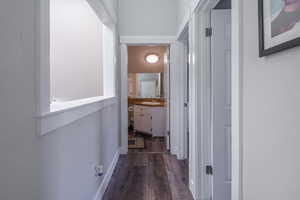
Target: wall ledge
x=62 y=114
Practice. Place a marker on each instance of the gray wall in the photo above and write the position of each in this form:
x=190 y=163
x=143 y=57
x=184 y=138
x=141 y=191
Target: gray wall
x=183 y=9
x=19 y=146
x=57 y=166
x=69 y=156
x=144 y=17
x=271 y=113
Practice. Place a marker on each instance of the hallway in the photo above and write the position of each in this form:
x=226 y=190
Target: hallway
x=208 y=88
x=149 y=176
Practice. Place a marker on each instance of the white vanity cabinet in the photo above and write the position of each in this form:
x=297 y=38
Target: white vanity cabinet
x=150 y=119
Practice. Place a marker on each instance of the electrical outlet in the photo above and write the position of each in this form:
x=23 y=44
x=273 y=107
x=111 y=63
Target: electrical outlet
x=99 y=170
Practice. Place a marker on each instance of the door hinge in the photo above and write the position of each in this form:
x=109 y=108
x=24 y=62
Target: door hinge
x=209 y=170
x=208 y=32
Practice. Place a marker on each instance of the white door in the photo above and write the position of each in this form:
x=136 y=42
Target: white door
x=186 y=95
x=221 y=103
x=167 y=95
x=142 y=119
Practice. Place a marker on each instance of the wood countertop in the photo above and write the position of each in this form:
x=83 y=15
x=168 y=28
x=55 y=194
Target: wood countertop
x=151 y=104
x=147 y=102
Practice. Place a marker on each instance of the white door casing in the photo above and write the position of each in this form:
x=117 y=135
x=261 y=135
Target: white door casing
x=167 y=95
x=177 y=110
x=221 y=103
x=124 y=99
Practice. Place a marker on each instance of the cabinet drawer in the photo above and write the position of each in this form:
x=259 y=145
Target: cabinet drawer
x=141 y=110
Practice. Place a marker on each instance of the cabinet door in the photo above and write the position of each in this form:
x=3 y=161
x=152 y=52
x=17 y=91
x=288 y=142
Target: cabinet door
x=159 y=121
x=142 y=119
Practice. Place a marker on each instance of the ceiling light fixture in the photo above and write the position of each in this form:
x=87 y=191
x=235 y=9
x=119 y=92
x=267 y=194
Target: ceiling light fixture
x=152 y=58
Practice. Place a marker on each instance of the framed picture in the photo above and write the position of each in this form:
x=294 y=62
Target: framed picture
x=279 y=25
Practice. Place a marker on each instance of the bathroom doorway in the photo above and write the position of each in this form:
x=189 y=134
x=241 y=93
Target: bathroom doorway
x=148 y=90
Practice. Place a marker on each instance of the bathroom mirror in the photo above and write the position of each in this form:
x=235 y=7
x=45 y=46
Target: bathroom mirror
x=145 y=85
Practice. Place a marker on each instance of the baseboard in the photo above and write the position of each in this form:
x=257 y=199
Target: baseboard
x=107 y=177
x=124 y=150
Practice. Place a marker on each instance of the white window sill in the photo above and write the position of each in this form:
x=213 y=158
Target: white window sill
x=64 y=113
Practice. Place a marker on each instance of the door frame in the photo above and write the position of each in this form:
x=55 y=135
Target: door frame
x=184 y=40
x=177 y=106
x=125 y=42
x=200 y=116
x=178 y=73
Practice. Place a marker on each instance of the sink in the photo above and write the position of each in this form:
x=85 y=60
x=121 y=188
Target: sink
x=151 y=103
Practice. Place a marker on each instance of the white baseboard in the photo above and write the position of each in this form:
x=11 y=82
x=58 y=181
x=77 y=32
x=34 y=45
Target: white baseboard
x=124 y=150
x=107 y=177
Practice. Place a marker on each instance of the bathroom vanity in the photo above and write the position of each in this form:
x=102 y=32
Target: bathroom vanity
x=150 y=118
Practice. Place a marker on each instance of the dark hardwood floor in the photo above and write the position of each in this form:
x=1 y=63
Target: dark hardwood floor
x=149 y=176
x=152 y=145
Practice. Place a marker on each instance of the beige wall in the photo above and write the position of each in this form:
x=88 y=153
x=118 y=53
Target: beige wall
x=136 y=59
x=132 y=85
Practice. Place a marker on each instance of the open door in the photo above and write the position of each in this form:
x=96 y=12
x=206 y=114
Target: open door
x=167 y=95
x=221 y=103
x=186 y=97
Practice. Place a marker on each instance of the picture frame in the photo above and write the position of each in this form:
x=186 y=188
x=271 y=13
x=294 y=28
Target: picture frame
x=278 y=30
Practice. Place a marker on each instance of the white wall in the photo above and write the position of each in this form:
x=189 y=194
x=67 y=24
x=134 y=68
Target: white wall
x=76 y=47
x=148 y=18
x=271 y=113
x=57 y=166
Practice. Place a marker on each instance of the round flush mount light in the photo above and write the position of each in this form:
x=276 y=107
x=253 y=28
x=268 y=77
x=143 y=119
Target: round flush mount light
x=152 y=58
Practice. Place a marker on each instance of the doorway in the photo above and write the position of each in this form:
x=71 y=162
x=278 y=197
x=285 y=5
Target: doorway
x=185 y=63
x=147 y=99
x=202 y=169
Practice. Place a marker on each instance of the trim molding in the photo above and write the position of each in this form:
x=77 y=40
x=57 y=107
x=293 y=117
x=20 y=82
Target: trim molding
x=177 y=95
x=147 y=39
x=51 y=121
x=103 y=12
x=237 y=92
x=103 y=186
x=124 y=99
x=194 y=105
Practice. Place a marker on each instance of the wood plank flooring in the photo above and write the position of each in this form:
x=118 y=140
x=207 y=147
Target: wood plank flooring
x=152 y=145
x=149 y=176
